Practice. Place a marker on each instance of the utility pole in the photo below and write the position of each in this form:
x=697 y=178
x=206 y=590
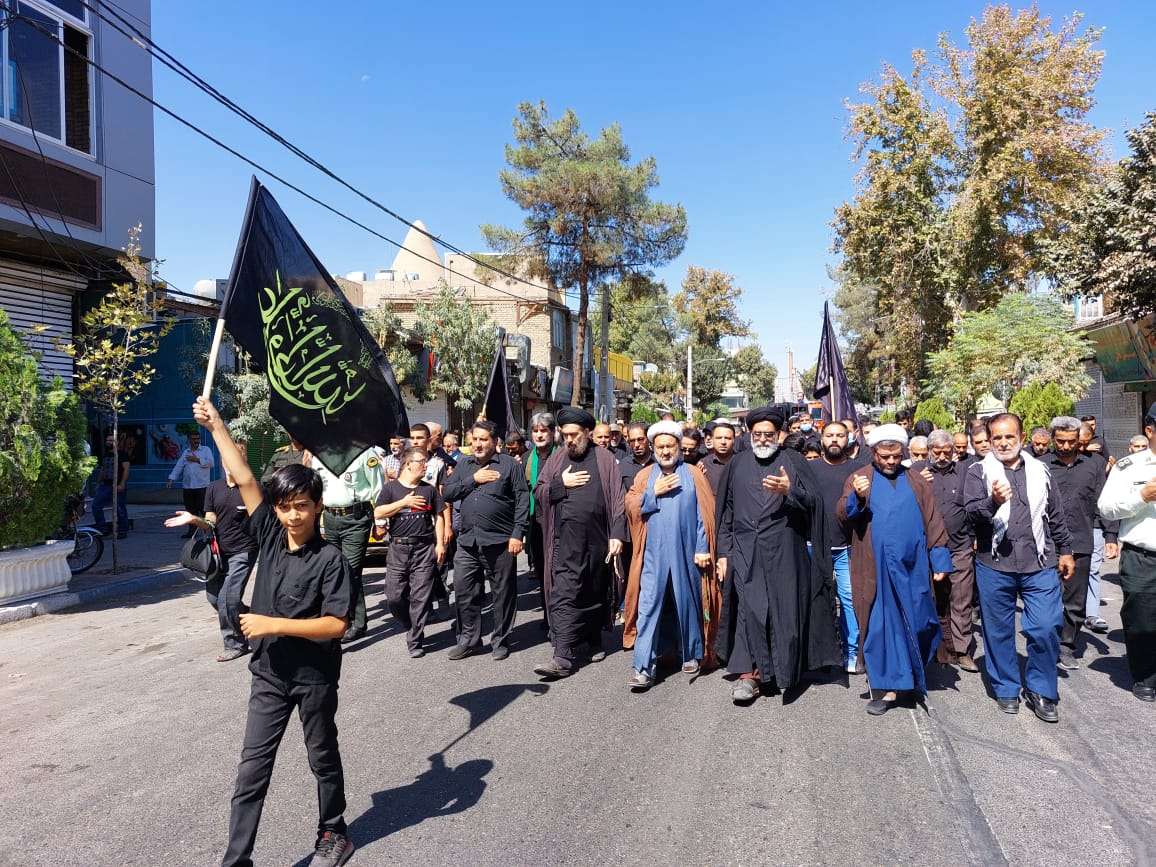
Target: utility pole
x=603 y=398
x=689 y=380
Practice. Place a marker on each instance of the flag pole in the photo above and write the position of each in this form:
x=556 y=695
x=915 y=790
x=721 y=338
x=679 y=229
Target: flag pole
x=214 y=351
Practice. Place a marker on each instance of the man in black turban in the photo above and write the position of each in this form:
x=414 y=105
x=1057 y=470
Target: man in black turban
x=777 y=619
x=580 y=501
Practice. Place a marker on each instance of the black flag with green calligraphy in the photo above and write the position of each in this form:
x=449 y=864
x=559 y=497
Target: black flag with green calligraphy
x=329 y=382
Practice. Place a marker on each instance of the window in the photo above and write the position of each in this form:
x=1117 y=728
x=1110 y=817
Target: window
x=46 y=86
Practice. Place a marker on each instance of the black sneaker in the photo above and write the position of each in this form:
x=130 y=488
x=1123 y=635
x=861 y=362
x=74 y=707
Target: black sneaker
x=332 y=850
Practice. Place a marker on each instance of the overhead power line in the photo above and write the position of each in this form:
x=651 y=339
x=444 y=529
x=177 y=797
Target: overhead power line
x=128 y=29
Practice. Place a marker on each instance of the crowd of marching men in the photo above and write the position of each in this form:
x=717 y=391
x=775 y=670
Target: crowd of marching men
x=769 y=549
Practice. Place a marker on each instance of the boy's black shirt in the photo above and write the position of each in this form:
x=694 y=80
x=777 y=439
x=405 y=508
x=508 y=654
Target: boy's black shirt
x=409 y=523
x=310 y=582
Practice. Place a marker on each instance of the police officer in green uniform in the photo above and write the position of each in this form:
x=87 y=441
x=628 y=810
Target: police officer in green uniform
x=348 y=518
x=294 y=453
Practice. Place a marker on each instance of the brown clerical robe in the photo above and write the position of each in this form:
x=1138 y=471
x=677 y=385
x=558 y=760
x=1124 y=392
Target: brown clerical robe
x=711 y=592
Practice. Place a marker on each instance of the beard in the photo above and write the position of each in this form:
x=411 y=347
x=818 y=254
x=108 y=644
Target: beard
x=942 y=463
x=833 y=452
x=764 y=452
x=1011 y=456
x=578 y=448
x=667 y=464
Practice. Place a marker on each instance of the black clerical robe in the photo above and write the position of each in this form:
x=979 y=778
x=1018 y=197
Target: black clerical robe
x=577 y=526
x=778 y=616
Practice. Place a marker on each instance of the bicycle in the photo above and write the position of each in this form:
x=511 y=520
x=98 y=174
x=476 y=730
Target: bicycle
x=88 y=545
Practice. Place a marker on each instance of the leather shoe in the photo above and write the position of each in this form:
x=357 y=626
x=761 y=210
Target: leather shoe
x=500 y=652
x=552 y=669
x=879 y=706
x=461 y=651
x=1008 y=705
x=352 y=634
x=417 y=653
x=1042 y=707
x=966 y=663
x=1143 y=692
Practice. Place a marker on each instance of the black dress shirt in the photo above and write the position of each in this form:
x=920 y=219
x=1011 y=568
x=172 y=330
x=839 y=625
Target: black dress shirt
x=947 y=485
x=311 y=582
x=1017 y=551
x=493 y=512
x=1079 y=486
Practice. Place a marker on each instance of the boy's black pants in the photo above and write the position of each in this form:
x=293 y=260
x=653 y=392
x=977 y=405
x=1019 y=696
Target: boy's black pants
x=270 y=704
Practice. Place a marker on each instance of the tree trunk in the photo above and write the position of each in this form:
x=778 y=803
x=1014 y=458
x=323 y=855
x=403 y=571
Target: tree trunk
x=115 y=494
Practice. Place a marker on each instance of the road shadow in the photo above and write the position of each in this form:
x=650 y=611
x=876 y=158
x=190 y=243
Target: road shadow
x=441 y=789
x=1116 y=667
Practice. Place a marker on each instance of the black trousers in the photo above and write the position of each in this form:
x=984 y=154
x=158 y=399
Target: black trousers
x=410 y=574
x=470 y=566
x=271 y=702
x=1138 y=581
x=194 y=500
x=537 y=556
x=1075 y=591
x=351 y=535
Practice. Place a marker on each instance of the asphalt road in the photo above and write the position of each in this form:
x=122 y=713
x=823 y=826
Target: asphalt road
x=121 y=736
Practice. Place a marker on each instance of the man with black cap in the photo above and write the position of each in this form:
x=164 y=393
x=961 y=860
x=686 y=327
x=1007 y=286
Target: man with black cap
x=580 y=501
x=777 y=617
x=1129 y=496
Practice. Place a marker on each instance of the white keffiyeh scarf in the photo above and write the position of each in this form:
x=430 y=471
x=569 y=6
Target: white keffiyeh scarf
x=1038 y=479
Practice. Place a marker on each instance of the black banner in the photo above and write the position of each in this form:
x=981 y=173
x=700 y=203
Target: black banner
x=497 y=406
x=329 y=382
x=830 y=376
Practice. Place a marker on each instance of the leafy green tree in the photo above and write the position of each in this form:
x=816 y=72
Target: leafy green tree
x=969 y=169
x=590 y=217
x=807 y=381
x=935 y=412
x=385 y=326
x=755 y=375
x=707 y=307
x=642 y=322
x=42 y=458
x=711 y=372
x=1028 y=154
x=463 y=339
x=1023 y=339
x=1109 y=248
x=1039 y=403
x=892 y=237
x=115 y=339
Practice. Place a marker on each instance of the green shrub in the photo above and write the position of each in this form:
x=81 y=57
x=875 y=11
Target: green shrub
x=643 y=414
x=935 y=412
x=1038 y=404
x=42 y=457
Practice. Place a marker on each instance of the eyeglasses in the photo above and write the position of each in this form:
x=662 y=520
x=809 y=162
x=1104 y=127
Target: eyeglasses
x=763 y=435
x=419 y=463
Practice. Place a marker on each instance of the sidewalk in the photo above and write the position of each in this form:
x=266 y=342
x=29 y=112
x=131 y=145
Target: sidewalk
x=148 y=556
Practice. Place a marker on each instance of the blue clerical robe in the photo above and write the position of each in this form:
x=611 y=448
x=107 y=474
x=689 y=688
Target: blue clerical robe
x=903 y=628
x=674 y=534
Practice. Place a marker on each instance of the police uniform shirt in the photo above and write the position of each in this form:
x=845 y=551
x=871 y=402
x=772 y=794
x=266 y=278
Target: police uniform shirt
x=1121 y=500
x=360 y=483
x=283 y=457
x=311 y=582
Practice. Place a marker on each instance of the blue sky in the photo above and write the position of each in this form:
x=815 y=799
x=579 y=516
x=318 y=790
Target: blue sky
x=741 y=104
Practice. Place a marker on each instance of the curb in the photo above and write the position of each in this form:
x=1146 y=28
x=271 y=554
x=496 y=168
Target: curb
x=60 y=601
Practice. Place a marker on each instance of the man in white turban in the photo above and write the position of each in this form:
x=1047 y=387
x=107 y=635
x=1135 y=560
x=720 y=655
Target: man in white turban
x=671 y=590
